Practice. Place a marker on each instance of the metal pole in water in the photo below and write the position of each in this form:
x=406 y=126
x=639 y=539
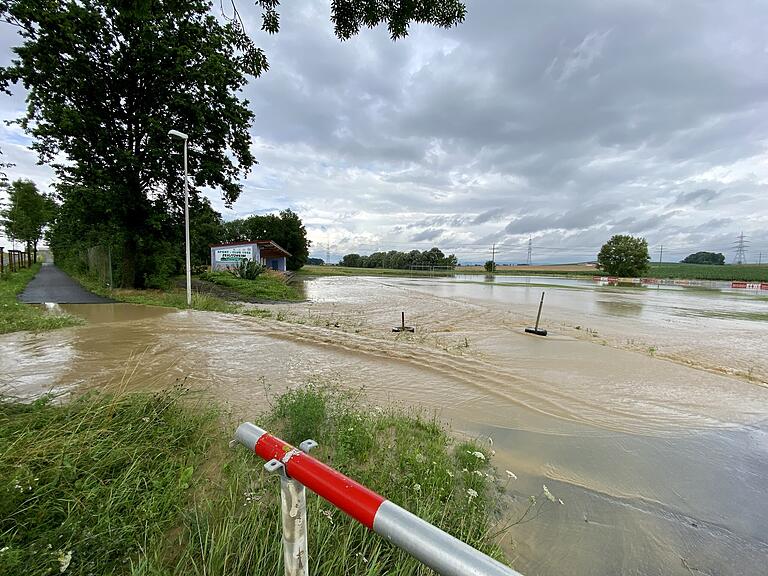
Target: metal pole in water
x=538 y=316
x=402 y=316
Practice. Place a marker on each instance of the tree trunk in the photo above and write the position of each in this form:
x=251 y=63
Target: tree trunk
x=128 y=264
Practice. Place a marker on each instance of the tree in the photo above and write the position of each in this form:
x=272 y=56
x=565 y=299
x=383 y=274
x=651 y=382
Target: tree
x=28 y=213
x=715 y=258
x=490 y=266
x=624 y=256
x=107 y=79
x=285 y=228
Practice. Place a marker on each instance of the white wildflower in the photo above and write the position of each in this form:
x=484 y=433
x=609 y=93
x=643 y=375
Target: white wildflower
x=478 y=473
x=417 y=487
x=547 y=493
x=328 y=514
x=464 y=470
x=472 y=493
x=363 y=557
x=511 y=474
x=64 y=560
x=4 y=548
x=420 y=458
x=449 y=473
x=478 y=455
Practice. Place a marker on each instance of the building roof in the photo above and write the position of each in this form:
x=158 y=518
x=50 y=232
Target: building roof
x=269 y=246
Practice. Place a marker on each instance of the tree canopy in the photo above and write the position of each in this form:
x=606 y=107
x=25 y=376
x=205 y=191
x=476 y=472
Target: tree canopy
x=715 y=258
x=27 y=214
x=285 y=228
x=624 y=256
x=108 y=79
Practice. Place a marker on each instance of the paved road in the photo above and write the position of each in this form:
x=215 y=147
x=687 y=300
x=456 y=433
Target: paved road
x=52 y=285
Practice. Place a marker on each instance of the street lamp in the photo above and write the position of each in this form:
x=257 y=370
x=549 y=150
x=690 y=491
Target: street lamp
x=182 y=136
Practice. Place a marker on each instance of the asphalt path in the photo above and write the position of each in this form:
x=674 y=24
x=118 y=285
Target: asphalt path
x=53 y=285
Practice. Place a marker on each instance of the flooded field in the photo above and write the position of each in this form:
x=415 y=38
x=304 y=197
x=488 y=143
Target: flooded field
x=645 y=410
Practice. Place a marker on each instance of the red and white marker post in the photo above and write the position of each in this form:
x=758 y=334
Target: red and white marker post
x=440 y=551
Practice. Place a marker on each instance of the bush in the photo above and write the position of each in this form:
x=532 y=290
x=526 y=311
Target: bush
x=490 y=266
x=246 y=270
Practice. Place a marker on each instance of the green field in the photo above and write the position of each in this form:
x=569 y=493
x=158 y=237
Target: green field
x=727 y=272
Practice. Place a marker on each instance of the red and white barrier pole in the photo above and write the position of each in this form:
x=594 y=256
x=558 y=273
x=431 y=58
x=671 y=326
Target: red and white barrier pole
x=440 y=551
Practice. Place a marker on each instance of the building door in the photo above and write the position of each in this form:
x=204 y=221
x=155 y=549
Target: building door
x=274 y=264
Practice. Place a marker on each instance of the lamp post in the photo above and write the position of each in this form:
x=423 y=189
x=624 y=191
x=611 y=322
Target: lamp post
x=182 y=136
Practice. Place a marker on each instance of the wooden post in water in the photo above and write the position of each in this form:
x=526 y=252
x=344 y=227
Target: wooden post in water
x=402 y=317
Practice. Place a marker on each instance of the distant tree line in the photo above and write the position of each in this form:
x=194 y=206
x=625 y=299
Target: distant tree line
x=705 y=258
x=399 y=260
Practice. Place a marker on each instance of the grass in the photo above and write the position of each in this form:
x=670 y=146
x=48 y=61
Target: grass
x=15 y=316
x=727 y=272
x=266 y=287
x=171 y=298
x=143 y=484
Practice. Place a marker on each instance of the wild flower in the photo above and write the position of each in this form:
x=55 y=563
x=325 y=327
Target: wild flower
x=363 y=557
x=478 y=455
x=472 y=493
x=511 y=474
x=547 y=493
x=420 y=458
x=328 y=514
x=477 y=473
x=64 y=560
x=449 y=473
x=4 y=548
x=417 y=487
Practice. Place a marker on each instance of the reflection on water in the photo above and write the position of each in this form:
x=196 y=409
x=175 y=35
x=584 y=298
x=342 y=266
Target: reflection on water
x=661 y=466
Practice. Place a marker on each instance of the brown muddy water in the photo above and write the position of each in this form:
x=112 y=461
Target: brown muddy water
x=662 y=467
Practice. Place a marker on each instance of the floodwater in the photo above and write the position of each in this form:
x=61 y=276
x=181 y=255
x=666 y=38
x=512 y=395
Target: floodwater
x=662 y=466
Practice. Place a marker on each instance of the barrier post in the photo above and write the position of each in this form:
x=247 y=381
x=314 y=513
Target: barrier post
x=446 y=555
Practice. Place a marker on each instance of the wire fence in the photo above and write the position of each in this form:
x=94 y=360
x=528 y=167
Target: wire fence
x=98 y=260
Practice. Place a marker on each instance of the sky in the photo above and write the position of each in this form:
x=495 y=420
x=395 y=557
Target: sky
x=558 y=123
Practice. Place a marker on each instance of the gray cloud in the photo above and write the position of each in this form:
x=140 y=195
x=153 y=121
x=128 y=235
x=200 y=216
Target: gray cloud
x=567 y=125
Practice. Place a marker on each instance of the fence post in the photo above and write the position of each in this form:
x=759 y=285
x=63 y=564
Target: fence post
x=2 y=259
x=293 y=513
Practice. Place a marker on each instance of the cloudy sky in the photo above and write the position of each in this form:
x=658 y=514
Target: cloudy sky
x=563 y=122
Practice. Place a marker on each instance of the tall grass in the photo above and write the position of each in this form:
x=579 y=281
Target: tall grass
x=99 y=480
x=268 y=286
x=145 y=484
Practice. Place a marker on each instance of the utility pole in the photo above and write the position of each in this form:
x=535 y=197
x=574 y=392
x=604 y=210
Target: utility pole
x=530 y=249
x=493 y=256
x=661 y=252
x=759 y=258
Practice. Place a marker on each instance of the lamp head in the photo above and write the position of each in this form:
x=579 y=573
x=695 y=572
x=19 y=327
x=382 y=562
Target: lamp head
x=177 y=134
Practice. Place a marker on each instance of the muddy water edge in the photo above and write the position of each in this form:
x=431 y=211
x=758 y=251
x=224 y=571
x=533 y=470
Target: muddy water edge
x=661 y=466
